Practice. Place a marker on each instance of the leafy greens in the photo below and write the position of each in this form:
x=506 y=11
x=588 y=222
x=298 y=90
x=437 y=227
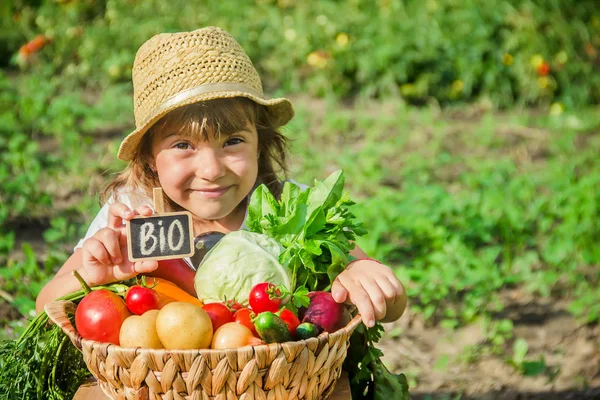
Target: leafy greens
x=315 y=226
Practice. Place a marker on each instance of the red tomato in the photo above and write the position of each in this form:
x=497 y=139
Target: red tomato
x=261 y=301
x=233 y=305
x=219 y=314
x=543 y=69
x=140 y=299
x=99 y=316
x=291 y=320
x=244 y=316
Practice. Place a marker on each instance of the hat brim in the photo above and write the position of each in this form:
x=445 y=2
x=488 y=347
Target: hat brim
x=280 y=109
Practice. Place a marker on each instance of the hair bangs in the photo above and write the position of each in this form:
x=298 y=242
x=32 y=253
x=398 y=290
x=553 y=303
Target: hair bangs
x=216 y=118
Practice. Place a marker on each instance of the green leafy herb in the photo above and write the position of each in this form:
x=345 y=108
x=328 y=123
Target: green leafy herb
x=292 y=300
x=315 y=226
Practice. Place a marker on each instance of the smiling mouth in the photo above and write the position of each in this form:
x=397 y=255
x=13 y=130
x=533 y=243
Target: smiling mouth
x=212 y=193
x=221 y=189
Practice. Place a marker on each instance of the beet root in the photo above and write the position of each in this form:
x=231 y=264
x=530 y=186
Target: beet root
x=324 y=312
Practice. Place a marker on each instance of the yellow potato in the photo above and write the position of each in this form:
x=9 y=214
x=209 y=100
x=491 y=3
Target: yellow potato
x=184 y=326
x=140 y=331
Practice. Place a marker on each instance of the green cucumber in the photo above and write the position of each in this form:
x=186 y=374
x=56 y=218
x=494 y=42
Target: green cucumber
x=306 y=330
x=271 y=328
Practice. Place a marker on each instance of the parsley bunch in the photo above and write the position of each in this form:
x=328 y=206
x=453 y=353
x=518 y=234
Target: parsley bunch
x=315 y=226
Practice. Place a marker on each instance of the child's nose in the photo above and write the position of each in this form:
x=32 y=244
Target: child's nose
x=211 y=166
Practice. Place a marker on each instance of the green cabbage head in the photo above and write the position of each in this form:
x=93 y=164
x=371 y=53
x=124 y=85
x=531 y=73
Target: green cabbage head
x=240 y=260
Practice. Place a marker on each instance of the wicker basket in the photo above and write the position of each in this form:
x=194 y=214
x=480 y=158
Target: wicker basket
x=306 y=369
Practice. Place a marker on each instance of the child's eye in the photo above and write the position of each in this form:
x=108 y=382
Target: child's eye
x=182 y=146
x=234 y=141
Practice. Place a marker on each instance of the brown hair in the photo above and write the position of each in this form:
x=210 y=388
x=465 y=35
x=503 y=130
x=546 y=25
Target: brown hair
x=217 y=117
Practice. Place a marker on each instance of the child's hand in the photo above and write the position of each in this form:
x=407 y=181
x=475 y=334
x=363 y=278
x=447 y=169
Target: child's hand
x=105 y=257
x=373 y=288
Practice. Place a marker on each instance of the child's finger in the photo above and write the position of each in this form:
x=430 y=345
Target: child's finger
x=143 y=267
x=377 y=297
x=110 y=239
x=400 y=300
x=97 y=251
x=117 y=214
x=143 y=210
x=338 y=291
x=360 y=298
x=389 y=290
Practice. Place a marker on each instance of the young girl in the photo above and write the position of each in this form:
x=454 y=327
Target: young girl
x=208 y=136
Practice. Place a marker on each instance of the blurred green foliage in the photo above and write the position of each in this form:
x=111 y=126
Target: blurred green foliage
x=508 y=51
x=464 y=207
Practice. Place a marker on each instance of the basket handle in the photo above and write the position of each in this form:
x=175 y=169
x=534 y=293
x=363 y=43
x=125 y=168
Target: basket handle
x=354 y=322
x=57 y=312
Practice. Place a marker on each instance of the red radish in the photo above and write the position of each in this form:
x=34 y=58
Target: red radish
x=324 y=312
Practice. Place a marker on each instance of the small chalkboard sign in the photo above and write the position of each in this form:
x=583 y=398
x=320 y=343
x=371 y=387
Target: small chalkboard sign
x=160 y=236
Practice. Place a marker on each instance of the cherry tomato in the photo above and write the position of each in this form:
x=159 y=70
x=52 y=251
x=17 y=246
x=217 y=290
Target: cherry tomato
x=233 y=305
x=261 y=301
x=99 y=316
x=244 y=316
x=140 y=299
x=291 y=320
x=219 y=314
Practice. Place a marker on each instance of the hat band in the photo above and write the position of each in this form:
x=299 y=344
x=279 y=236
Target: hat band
x=202 y=89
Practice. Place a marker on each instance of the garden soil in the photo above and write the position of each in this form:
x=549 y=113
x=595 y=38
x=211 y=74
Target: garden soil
x=444 y=364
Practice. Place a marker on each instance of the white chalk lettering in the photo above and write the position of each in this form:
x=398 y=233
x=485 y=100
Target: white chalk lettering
x=147 y=230
x=161 y=235
x=175 y=224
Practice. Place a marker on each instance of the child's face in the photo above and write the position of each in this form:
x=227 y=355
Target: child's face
x=210 y=177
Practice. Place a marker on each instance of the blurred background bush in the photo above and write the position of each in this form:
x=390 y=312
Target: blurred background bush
x=508 y=51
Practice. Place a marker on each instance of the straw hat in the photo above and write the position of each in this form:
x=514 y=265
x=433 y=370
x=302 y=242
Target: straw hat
x=176 y=69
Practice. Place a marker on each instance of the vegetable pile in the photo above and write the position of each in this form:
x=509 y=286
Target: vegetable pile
x=274 y=287
x=317 y=228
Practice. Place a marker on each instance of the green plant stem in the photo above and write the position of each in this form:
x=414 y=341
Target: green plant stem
x=84 y=285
